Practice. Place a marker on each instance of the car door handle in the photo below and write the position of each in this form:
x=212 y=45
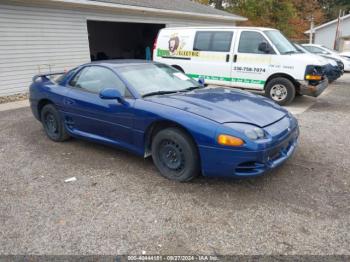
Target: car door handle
x=227 y=58
x=234 y=58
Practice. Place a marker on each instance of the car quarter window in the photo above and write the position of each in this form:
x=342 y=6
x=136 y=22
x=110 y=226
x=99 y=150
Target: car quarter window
x=213 y=41
x=249 y=42
x=95 y=78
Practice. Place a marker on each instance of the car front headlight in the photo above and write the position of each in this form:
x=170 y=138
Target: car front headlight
x=255 y=133
x=247 y=131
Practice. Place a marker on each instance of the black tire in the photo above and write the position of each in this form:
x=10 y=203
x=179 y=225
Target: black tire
x=281 y=90
x=179 y=68
x=175 y=155
x=53 y=124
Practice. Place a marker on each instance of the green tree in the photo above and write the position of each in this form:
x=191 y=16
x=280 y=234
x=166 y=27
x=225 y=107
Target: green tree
x=332 y=7
x=269 y=13
x=218 y=4
x=291 y=17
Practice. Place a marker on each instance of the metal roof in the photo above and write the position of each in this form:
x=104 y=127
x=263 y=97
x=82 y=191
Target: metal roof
x=220 y=27
x=185 y=6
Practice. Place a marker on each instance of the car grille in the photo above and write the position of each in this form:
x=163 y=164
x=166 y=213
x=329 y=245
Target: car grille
x=340 y=65
x=276 y=152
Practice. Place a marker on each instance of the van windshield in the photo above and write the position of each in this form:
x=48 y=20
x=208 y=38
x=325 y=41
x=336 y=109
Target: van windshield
x=283 y=45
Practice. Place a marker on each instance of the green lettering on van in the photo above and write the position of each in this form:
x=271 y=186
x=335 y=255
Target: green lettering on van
x=229 y=79
x=162 y=52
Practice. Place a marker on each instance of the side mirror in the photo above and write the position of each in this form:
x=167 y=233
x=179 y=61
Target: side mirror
x=264 y=47
x=201 y=81
x=111 y=94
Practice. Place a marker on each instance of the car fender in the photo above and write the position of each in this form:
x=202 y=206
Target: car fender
x=201 y=129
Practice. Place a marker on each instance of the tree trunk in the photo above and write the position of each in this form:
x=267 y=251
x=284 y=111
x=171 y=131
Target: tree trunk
x=218 y=4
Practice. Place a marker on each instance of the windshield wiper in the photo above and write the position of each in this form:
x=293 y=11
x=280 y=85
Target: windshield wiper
x=159 y=93
x=191 y=88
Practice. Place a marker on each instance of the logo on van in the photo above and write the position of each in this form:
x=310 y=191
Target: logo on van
x=175 y=48
x=174 y=44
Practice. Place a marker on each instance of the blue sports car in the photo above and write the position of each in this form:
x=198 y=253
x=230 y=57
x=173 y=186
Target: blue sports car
x=152 y=109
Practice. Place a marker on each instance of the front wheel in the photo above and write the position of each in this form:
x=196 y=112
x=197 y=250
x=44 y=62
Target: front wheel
x=175 y=155
x=281 y=90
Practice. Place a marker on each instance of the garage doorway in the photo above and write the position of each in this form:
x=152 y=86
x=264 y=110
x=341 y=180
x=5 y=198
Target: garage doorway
x=119 y=40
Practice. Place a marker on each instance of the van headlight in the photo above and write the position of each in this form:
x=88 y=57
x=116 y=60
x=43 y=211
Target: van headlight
x=314 y=73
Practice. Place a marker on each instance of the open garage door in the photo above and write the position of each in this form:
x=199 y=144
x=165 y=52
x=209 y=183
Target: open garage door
x=118 y=40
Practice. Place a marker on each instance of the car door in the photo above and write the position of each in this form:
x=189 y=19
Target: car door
x=89 y=115
x=251 y=65
x=214 y=60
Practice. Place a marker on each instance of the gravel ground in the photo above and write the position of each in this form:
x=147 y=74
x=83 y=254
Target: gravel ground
x=13 y=98
x=120 y=205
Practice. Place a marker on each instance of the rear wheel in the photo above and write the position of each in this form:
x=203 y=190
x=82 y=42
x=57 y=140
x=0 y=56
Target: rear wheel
x=281 y=90
x=175 y=155
x=53 y=124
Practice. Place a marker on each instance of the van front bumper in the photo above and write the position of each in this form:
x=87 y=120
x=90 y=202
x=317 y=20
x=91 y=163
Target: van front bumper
x=313 y=90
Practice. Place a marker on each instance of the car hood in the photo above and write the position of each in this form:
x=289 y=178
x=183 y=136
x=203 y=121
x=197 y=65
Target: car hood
x=225 y=105
x=310 y=59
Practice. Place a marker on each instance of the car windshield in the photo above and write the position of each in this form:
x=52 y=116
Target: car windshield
x=315 y=49
x=150 y=79
x=283 y=45
x=330 y=50
x=300 y=48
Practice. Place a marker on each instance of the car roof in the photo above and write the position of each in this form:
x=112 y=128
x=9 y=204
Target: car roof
x=121 y=62
x=217 y=27
x=312 y=45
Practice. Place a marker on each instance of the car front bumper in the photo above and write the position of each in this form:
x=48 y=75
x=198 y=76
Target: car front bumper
x=232 y=163
x=313 y=90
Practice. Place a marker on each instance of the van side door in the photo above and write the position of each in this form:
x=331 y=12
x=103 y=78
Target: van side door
x=252 y=59
x=214 y=59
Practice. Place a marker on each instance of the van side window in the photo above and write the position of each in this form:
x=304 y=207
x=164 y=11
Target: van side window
x=213 y=41
x=249 y=42
x=202 y=41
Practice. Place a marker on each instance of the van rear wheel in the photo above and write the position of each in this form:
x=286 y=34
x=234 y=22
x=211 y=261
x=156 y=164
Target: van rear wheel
x=281 y=90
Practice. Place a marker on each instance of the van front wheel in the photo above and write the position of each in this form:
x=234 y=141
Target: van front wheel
x=178 y=68
x=281 y=90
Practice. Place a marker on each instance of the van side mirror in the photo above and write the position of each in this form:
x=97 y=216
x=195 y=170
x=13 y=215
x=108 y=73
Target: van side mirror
x=201 y=81
x=264 y=47
x=112 y=94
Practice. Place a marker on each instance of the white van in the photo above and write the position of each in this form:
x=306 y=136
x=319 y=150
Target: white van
x=245 y=57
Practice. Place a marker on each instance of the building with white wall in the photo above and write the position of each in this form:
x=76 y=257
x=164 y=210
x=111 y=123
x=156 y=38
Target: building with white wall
x=53 y=35
x=325 y=34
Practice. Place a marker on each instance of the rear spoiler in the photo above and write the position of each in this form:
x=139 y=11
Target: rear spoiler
x=36 y=77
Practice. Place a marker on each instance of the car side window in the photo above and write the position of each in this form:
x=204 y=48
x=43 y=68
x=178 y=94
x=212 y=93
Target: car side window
x=249 y=42
x=213 y=41
x=315 y=50
x=95 y=78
